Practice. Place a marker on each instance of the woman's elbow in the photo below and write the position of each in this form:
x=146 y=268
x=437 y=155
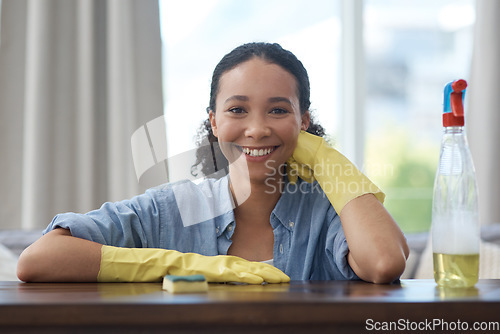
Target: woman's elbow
x=388 y=269
x=392 y=264
x=41 y=261
x=28 y=266
x=37 y=262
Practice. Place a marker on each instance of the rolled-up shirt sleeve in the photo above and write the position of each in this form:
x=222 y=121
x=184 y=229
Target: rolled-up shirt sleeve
x=129 y=223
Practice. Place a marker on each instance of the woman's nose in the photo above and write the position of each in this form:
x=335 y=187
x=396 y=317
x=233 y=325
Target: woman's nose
x=257 y=128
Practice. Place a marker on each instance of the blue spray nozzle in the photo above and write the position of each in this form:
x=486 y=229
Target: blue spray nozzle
x=453 y=106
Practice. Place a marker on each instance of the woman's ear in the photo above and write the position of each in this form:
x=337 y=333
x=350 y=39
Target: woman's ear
x=211 y=117
x=306 y=118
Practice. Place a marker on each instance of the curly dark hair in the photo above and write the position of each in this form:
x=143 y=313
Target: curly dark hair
x=209 y=157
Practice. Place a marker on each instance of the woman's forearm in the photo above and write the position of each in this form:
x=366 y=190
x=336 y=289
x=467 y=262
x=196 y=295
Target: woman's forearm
x=377 y=247
x=59 y=257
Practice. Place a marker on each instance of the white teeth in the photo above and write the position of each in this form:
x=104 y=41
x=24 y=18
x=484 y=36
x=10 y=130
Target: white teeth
x=256 y=152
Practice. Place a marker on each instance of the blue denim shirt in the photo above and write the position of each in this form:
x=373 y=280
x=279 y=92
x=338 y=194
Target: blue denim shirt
x=309 y=242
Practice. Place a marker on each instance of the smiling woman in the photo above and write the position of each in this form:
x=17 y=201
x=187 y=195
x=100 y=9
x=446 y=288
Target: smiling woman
x=254 y=225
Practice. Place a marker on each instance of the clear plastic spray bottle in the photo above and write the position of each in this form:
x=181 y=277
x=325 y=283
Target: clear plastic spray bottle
x=455 y=221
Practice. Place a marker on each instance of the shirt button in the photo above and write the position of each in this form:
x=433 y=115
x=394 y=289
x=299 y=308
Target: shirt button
x=217 y=230
x=291 y=224
x=230 y=228
x=281 y=248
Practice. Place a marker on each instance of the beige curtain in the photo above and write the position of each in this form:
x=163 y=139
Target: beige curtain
x=77 y=78
x=483 y=116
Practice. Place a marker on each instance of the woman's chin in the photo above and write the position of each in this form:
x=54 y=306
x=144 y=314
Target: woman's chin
x=265 y=174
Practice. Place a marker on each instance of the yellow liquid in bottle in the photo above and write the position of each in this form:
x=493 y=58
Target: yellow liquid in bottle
x=456 y=270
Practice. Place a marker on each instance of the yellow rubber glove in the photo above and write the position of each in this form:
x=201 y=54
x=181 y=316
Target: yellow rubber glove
x=313 y=159
x=152 y=264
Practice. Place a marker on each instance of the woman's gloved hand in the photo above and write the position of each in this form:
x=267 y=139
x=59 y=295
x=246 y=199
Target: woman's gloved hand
x=313 y=159
x=152 y=264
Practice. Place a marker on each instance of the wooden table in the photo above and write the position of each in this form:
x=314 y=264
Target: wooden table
x=298 y=307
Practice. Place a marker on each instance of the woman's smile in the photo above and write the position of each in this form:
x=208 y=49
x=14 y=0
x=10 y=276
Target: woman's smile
x=258 y=152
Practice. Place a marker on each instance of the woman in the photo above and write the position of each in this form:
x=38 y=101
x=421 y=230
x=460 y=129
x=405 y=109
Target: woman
x=227 y=229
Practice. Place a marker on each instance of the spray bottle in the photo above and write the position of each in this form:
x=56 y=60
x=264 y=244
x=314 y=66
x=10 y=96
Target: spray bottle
x=455 y=221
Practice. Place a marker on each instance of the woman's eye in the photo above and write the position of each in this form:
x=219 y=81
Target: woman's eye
x=279 y=111
x=236 y=110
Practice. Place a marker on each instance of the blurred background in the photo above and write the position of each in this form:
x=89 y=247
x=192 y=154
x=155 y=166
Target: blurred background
x=101 y=99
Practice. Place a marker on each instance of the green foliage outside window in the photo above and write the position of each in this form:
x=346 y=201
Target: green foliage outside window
x=404 y=170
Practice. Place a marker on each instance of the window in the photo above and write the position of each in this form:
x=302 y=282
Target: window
x=411 y=50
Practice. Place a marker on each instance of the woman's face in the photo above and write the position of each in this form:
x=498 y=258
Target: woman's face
x=257 y=118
